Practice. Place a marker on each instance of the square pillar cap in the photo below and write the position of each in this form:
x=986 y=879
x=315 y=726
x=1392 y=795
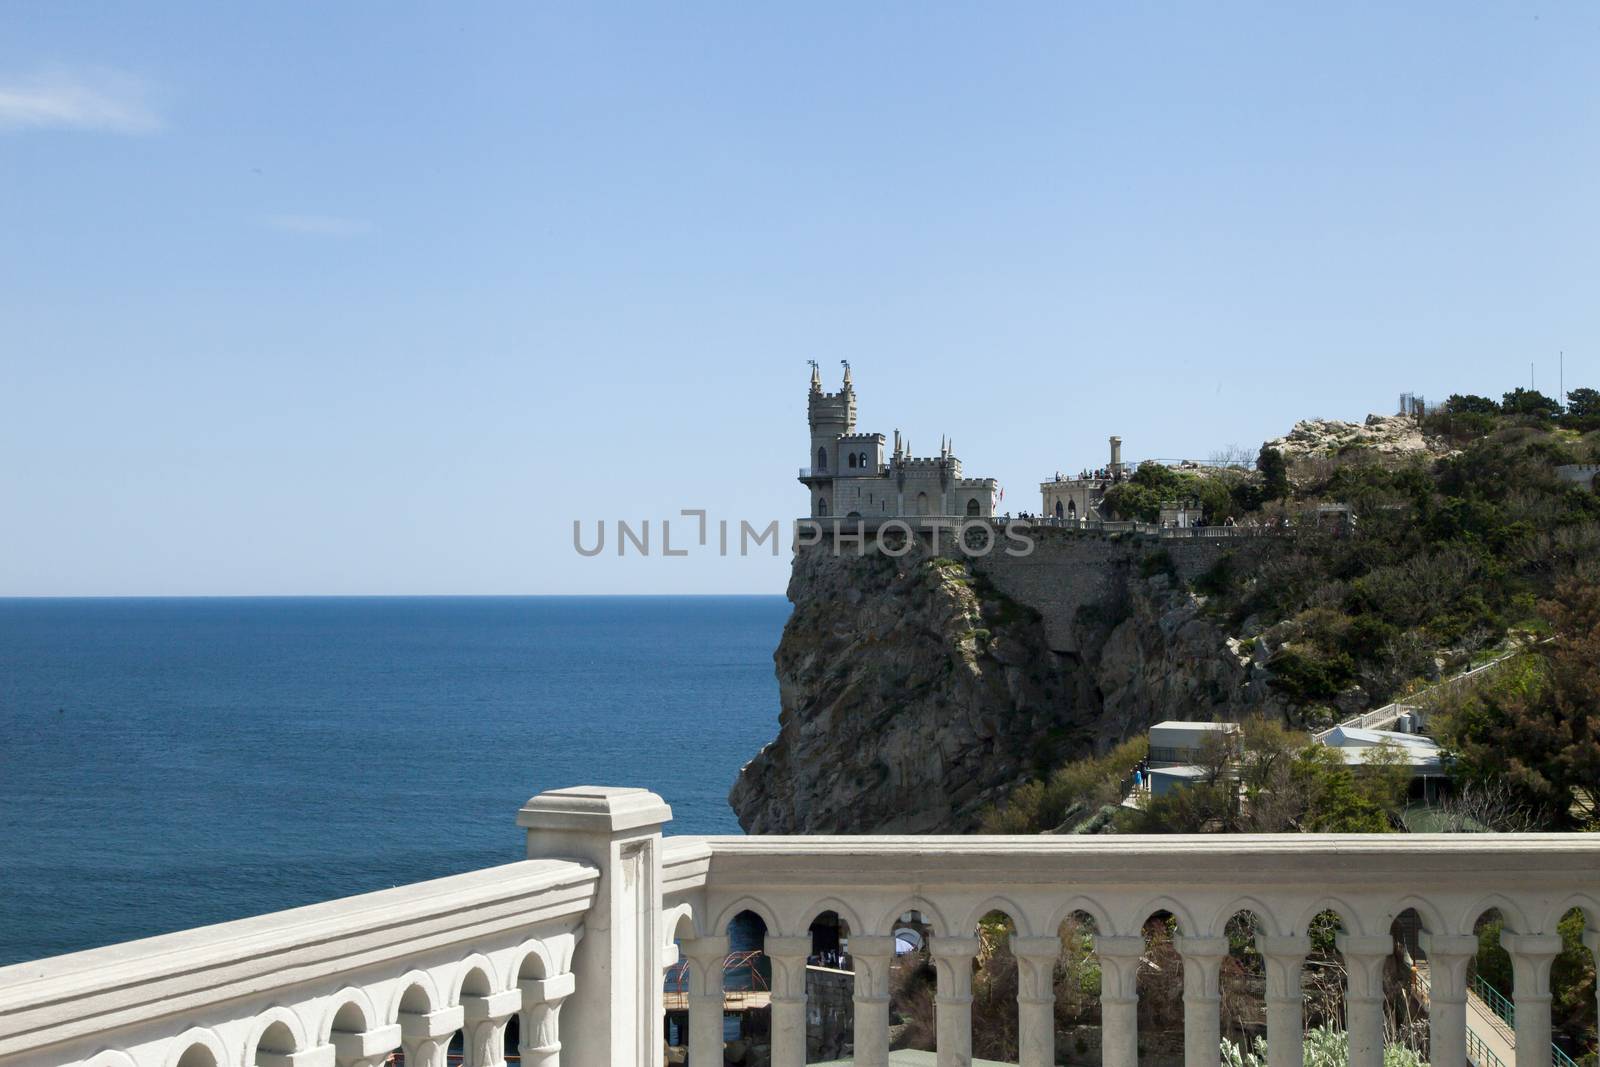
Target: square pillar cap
x=593 y=809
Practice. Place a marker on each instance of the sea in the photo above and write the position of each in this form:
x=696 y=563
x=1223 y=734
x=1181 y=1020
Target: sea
x=171 y=762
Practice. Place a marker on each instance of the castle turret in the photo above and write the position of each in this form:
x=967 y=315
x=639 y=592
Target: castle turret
x=832 y=416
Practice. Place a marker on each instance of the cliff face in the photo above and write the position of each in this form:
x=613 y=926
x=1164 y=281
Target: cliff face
x=915 y=693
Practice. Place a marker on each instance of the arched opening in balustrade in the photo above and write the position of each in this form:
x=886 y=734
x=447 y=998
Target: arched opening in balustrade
x=1489 y=976
x=351 y=1018
x=1323 y=975
x=747 y=985
x=830 y=989
x=1573 y=982
x=1160 y=986
x=1077 y=989
x=1405 y=991
x=995 y=1021
x=197 y=1056
x=276 y=1040
x=913 y=982
x=475 y=983
x=677 y=986
x=1242 y=980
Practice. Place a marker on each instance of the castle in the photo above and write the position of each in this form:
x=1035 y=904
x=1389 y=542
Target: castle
x=1080 y=497
x=848 y=476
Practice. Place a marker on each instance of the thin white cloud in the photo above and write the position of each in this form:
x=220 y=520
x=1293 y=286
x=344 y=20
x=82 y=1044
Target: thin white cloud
x=320 y=225
x=96 y=101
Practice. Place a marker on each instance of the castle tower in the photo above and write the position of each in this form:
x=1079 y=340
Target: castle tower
x=831 y=415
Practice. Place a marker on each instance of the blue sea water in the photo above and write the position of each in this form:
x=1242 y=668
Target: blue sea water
x=166 y=763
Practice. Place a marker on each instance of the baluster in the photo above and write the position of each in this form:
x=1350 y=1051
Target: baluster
x=1364 y=957
x=486 y=1018
x=788 y=955
x=1285 y=958
x=1119 y=998
x=1448 y=958
x=1202 y=999
x=1036 y=999
x=425 y=1036
x=539 y=1026
x=706 y=1001
x=1531 y=956
x=952 y=958
x=872 y=956
x=368 y=1048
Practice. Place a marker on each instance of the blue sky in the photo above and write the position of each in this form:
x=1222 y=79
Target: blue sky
x=379 y=298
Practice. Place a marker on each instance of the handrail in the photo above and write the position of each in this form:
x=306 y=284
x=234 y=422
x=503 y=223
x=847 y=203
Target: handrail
x=1479 y=1054
x=1498 y=1002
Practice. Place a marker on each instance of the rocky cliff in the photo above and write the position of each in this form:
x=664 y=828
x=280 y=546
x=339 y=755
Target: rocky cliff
x=915 y=692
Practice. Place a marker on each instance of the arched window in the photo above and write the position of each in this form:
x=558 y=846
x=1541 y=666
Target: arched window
x=822 y=505
x=1072 y=509
x=822 y=459
x=852 y=460
x=922 y=503
x=863 y=462
x=972 y=507
x=1058 y=509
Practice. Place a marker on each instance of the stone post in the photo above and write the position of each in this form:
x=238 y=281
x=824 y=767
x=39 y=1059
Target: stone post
x=617 y=1001
x=1036 y=999
x=1364 y=958
x=1202 y=999
x=1119 y=998
x=871 y=955
x=486 y=1018
x=1285 y=958
x=369 y=1048
x=539 y=1027
x=706 y=956
x=952 y=960
x=788 y=956
x=1531 y=956
x=1448 y=958
x=425 y=1036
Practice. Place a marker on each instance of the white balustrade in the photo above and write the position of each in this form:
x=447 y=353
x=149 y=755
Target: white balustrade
x=572 y=943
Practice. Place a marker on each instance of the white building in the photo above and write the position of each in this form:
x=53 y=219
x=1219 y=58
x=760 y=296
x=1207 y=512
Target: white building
x=848 y=475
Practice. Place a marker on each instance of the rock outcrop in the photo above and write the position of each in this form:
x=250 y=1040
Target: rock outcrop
x=1386 y=435
x=915 y=694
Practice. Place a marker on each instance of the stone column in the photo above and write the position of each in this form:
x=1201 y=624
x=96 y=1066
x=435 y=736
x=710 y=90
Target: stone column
x=1531 y=956
x=1202 y=999
x=952 y=959
x=617 y=1002
x=1364 y=958
x=788 y=956
x=425 y=1036
x=486 y=1019
x=1285 y=958
x=1036 y=999
x=369 y=1048
x=706 y=957
x=872 y=956
x=1448 y=958
x=539 y=1026
x=1119 y=998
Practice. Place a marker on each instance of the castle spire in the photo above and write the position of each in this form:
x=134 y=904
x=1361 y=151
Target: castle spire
x=846 y=363
x=816 y=376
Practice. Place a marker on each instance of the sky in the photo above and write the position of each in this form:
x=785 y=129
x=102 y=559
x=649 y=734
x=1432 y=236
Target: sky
x=382 y=298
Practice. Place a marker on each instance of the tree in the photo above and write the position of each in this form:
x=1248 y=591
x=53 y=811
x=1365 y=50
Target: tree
x=1584 y=403
x=1522 y=401
x=1274 y=473
x=1470 y=404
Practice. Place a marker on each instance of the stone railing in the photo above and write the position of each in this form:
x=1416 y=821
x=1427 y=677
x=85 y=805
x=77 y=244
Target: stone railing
x=605 y=904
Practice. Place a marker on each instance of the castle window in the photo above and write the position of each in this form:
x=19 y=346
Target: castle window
x=922 y=503
x=822 y=505
x=863 y=462
x=1072 y=508
x=972 y=506
x=822 y=459
x=852 y=459
x=1058 y=509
